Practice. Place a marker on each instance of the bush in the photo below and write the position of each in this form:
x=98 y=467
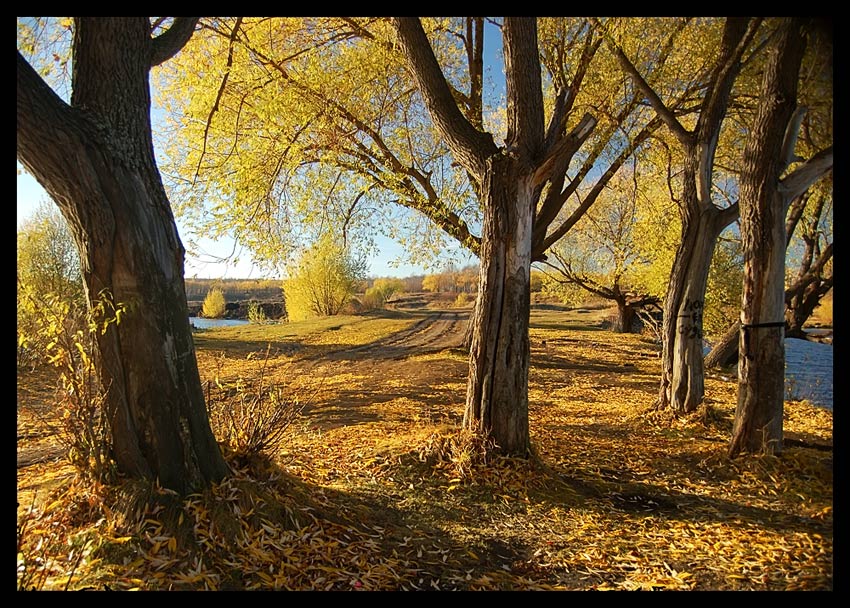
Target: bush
x=256 y=314
x=322 y=281
x=48 y=272
x=251 y=416
x=214 y=304
x=462 y=299
x=71 y=347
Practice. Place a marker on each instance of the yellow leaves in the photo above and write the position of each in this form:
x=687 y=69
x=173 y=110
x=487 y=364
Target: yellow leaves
x=122 y=539
x=357 y=457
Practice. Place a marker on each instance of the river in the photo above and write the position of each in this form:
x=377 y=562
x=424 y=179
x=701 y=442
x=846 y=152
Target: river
x=201 y=323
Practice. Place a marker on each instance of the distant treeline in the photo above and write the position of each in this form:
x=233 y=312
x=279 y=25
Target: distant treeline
x=241 y=290
x=235 y=290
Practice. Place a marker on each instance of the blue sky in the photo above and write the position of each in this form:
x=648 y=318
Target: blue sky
x=30 y=193
x=212 y=261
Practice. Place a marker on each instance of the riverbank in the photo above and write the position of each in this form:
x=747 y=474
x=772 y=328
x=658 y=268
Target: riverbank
x=239 y=310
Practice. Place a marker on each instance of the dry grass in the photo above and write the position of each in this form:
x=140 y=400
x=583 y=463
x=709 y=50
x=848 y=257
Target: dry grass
x=376 y=488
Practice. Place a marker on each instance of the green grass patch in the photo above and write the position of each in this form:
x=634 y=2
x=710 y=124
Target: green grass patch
x=343 y=330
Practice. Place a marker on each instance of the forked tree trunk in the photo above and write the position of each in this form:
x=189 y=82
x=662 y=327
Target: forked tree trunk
x=682 y=372
x=497 y=389
x=95 y=158
x=761 y=385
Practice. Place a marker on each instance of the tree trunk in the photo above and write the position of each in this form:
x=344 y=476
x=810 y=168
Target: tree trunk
x=761 y=385
x=682 y=370
x=725 y=352
x=497 y=390
x=802 y=307
x=624 y=323
x=95 y=158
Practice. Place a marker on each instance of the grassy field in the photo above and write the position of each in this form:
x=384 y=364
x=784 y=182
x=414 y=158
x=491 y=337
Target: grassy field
x=376 y=487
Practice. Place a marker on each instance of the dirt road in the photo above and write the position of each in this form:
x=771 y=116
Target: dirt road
x=436 y=330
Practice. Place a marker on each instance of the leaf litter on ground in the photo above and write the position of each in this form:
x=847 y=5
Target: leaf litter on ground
x=378 y=488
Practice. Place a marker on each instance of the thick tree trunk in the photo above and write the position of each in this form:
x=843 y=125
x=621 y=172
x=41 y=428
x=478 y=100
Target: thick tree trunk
x=497 y=390
x=160 y=425
x=761 y=385
x=95 y=158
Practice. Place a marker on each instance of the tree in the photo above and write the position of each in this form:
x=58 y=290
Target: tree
x=813 y=278
x=808 y=240
x=601 y=256
x=322 y=281
x=811 y=281
x=95 y=158
x=765 y=196
x=48 y=270
x=682 y=379
x=288 y=104
x=331 y=134
x=214 y=304
x=497 y=389
x=431 y=282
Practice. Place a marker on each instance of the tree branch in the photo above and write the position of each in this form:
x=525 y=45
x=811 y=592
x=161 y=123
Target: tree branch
x=470 y=146
x=233 y=34
x=682 y=134
x=541 y=242
x=46 y=130
x=728 y=215
x=167 y=44
x=524 y=88
x=564 y=148
x=791 y=134
x=798 y=181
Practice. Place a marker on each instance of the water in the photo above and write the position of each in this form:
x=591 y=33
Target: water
x=808 y=371
x=201 y=323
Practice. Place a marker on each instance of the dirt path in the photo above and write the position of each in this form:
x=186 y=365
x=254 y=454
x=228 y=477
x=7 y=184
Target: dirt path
x=437 y=330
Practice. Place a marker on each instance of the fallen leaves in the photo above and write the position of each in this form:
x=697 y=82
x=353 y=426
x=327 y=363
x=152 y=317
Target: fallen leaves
x=376 y=489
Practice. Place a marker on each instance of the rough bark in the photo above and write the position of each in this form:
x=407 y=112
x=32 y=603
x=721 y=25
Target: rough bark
x=95 y=158
x=497 y=389
x=761 y=385
x=811 y=284
x=682 y=370
x=625 y=317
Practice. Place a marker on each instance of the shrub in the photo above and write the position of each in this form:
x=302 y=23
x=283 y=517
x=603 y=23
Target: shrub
x=251 y=416
x=462 y=300
x=214 y=304
x=322 y=281
x=371 y=300
x=256 y=314
x=70 y=339
x=48 y=271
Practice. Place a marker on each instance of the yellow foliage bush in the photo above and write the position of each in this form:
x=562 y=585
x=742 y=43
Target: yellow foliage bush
x=214 y=304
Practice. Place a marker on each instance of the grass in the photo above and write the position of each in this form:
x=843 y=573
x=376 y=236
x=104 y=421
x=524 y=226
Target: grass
x=377 y=488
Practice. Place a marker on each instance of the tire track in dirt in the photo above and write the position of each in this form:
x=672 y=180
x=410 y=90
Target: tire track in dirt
x=438 y=330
